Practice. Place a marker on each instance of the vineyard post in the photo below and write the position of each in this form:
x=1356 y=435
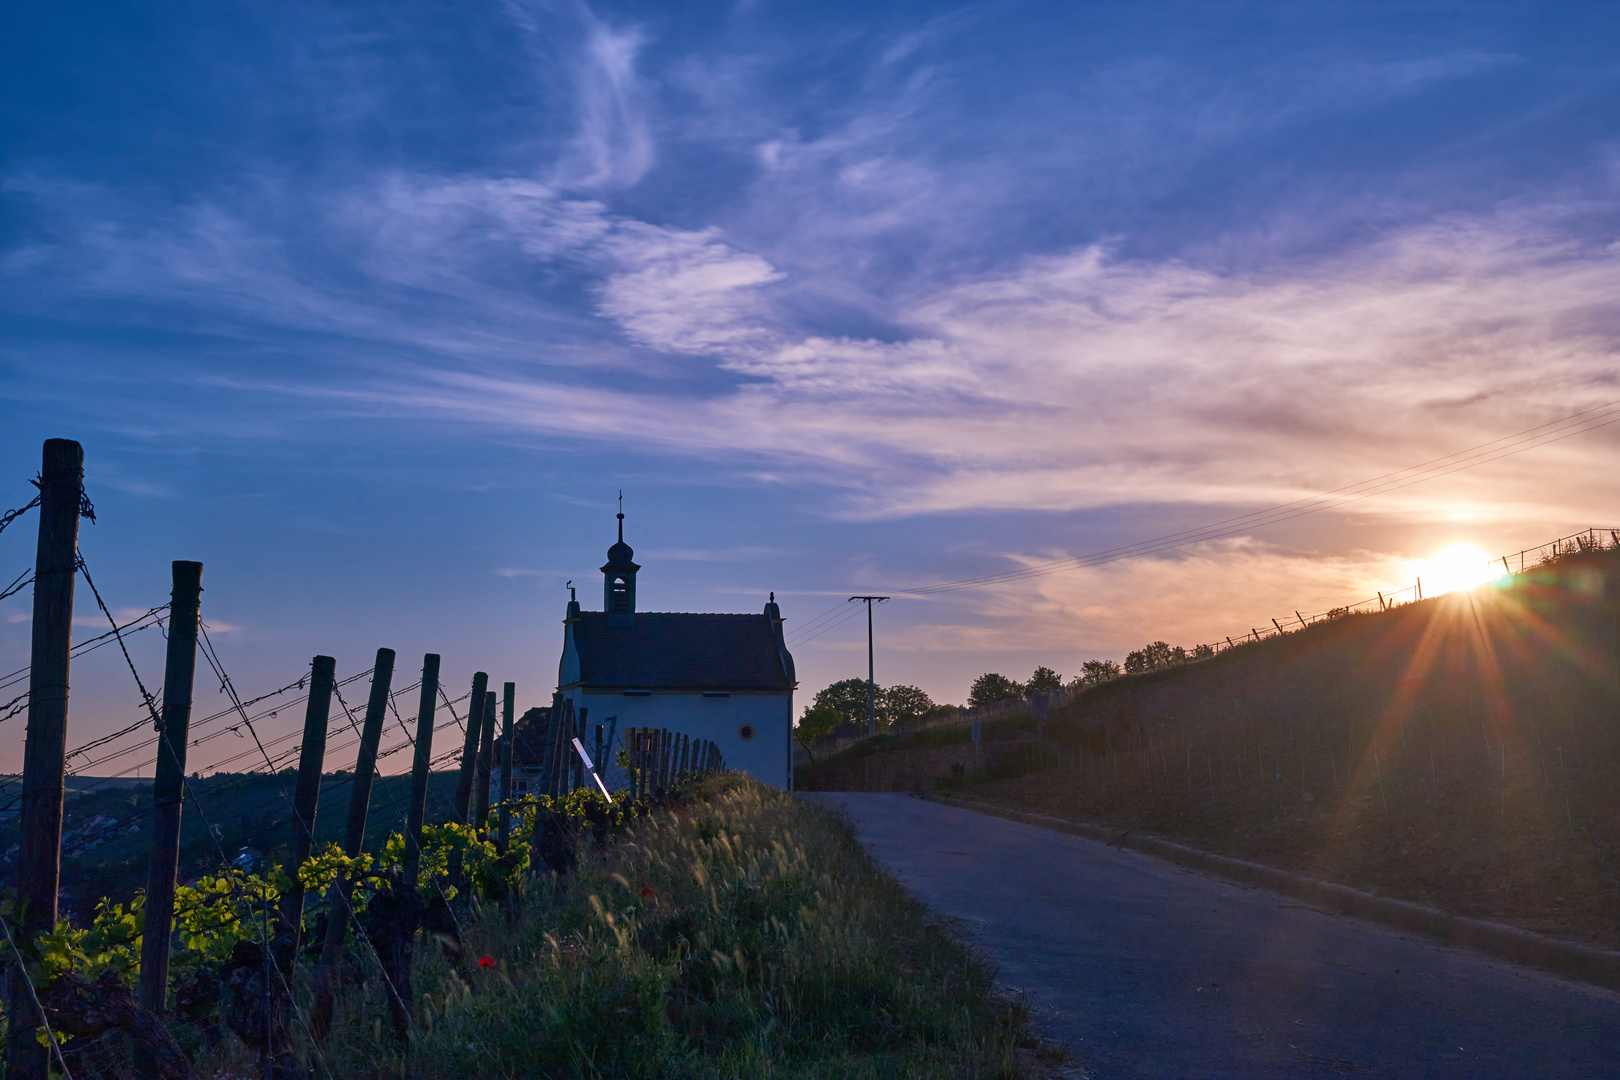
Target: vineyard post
x=469 y=766
x=577 y=772
x=486 y=753
x=601 y=762
x=307 y=793
x=61 y=484
x=508 y=707
x=562 y=724
x=421 y=764
x=469 y=748
x=168 y=784
x=632 y=740
x=354 y=837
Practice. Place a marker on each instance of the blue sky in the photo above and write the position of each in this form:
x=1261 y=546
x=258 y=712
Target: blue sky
x=373 y=309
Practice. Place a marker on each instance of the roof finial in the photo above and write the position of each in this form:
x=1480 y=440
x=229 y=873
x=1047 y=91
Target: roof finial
x=621 y=515
x=773 y=596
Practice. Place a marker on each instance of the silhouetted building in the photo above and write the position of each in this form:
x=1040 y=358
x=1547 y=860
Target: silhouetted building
x=728 y=678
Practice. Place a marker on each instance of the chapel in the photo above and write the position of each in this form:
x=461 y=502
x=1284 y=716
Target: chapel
x=723 y=677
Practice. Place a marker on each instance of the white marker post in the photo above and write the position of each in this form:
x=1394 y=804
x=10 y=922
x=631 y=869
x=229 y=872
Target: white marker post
x=590 y=767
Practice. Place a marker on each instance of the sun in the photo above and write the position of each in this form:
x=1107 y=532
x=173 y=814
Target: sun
x=1455 y=568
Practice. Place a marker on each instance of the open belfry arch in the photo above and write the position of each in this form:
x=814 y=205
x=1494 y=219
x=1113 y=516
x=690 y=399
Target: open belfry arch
x=723 y=677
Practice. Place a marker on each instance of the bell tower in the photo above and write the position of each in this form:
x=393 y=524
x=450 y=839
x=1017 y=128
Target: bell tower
x=619 y=583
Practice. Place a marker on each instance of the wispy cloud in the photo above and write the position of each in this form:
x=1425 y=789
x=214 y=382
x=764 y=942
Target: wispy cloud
x=1061 y=382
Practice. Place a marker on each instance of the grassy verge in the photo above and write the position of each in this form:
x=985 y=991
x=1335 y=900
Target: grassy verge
x=746 y=935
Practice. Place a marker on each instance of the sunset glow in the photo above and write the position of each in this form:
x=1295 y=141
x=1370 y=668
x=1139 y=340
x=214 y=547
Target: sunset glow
x=1022 y=314
x=1455 y=568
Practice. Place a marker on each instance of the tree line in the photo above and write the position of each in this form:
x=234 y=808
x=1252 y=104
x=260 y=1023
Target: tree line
x=845 y=701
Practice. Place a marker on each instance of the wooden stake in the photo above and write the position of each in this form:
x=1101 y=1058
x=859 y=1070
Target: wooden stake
x=508 y=707
x=307 y=794
x=354 y=836
x=421 y=763
x=61 y=481
x=486 y=750
x=469 y=747
x=168 y=785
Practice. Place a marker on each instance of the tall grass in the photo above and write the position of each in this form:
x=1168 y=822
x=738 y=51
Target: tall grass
x=745 y=935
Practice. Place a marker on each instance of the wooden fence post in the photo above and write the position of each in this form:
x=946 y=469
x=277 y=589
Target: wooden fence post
x=307 y=794
x=486 y=752
x=508 y=707
x=632 y=743
x=354 y=836
x=168 y=784
x=61 y=482
x=469 y=749
x=577 y=771
x=421 y=763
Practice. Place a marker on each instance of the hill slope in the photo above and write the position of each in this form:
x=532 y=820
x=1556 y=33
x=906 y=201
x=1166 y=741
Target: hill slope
x=1460 y=752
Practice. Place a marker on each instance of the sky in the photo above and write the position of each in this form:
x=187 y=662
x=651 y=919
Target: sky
x=374 y=309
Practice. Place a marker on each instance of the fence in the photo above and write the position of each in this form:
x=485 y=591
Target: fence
x=242 y=904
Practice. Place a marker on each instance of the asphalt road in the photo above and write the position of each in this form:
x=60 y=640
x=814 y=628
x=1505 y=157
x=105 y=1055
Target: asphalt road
x=1147 y=970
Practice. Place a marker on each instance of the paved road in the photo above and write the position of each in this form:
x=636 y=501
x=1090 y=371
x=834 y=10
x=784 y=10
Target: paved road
x=1148 y=970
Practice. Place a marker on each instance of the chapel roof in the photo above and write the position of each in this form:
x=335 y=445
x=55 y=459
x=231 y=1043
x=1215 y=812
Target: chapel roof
x=678 y=650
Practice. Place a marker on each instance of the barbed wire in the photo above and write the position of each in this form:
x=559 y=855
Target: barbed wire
x=12 y=515
x=18 y=583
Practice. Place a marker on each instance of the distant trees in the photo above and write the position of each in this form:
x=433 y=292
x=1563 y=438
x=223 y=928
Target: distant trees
x=1096 y=672
x=817 y=723
x=846 y=700
x=904 y=705
x=1153 y=656
x=992 y=687
x=1043 y=681
x=848 y=696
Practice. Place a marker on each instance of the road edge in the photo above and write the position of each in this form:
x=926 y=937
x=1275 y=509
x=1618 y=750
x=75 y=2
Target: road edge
x=1595 y=966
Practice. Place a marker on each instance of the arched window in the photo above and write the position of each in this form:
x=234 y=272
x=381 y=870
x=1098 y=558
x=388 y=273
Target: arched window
x=620 y=588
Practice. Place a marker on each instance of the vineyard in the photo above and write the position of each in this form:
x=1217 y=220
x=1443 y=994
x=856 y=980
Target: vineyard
x=256 y=909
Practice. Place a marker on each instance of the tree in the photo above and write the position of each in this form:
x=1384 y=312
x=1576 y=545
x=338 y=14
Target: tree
x=817 y=723
x=1096 y=672
x=1044 y=681
x=1136 y=662
x=848 y=696
x=991 y=687
x=903 y=705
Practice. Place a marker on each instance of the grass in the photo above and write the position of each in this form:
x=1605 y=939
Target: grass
x=1458 y=752
x=744 y=935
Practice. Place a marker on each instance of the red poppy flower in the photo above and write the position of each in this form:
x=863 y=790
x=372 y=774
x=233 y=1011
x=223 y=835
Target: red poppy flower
x=648 y=894
x=486 y=961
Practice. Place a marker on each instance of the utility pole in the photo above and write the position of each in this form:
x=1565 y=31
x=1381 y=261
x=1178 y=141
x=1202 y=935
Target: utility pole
x=871 y=686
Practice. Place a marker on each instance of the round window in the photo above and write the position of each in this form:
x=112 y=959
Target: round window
x=746 y=732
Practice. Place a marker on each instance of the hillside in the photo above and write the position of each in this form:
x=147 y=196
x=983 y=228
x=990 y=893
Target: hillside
x=107 y=832
x=1458 y=752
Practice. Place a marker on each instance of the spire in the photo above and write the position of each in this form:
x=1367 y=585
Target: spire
x=619 y=579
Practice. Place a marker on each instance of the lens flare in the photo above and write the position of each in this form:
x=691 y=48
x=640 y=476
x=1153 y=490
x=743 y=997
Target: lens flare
x=1456 y=568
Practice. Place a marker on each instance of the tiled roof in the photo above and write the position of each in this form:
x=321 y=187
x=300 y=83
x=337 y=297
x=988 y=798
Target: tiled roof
x=675 y=650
